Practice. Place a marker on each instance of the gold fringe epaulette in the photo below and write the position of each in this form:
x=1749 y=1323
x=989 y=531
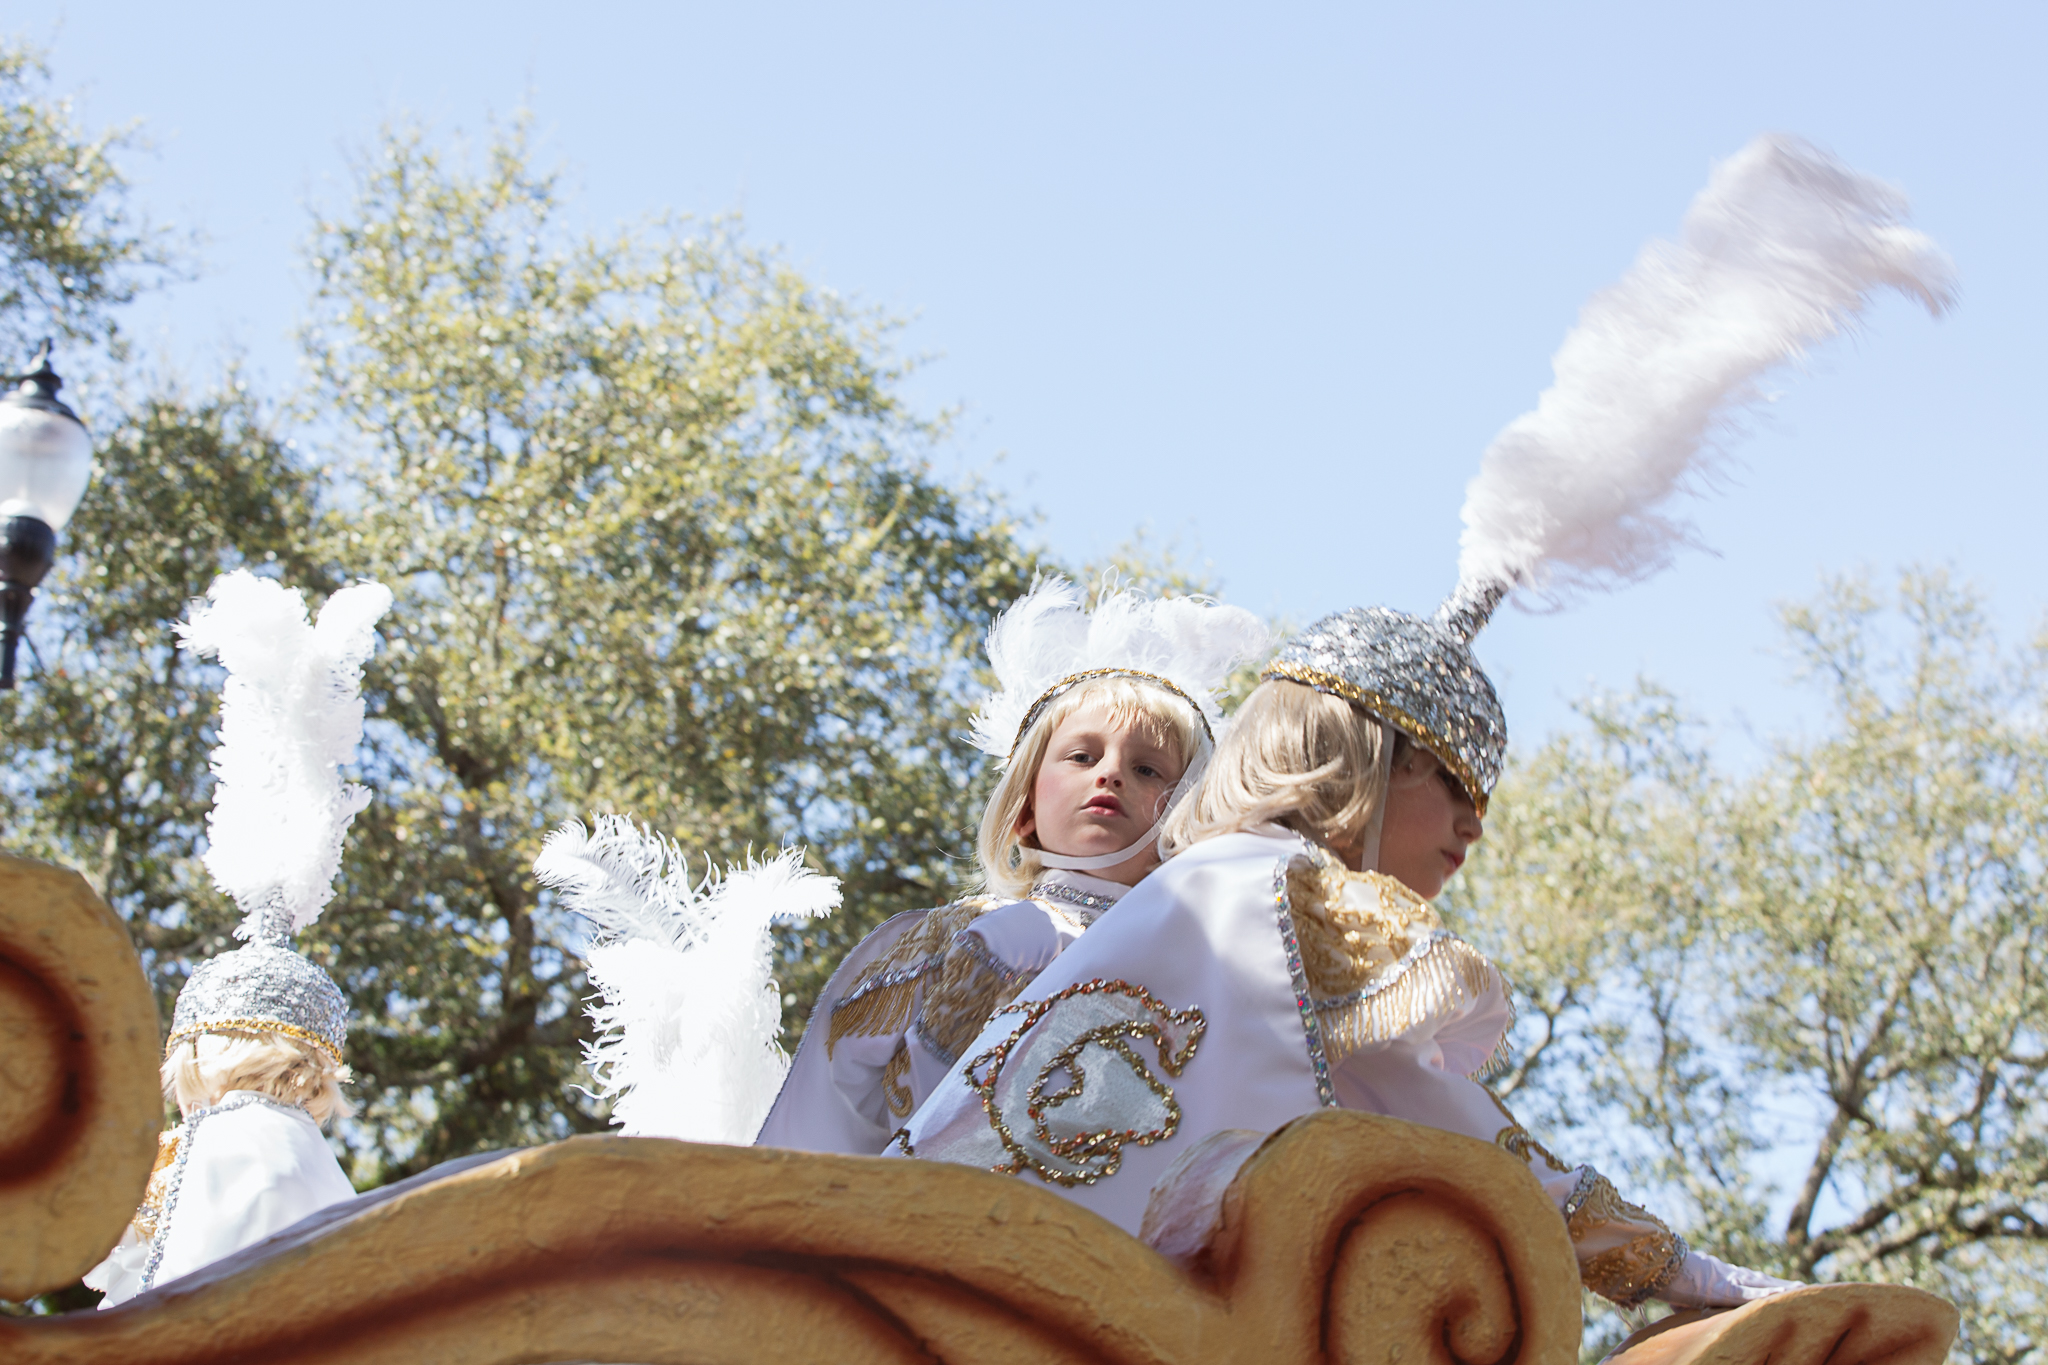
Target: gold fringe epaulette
x=1378 y=959
x=882 y=997
x=970 y=986
x=151 y=1210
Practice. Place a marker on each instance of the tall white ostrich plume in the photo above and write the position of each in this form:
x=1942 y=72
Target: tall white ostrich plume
x=1782 y=250
x=291 y=713
x=688 y=1010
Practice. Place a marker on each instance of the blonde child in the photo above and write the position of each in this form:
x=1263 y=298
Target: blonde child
x=254 y=1060
x=1099 y=721
x=247 y=1160
x=1291 y=939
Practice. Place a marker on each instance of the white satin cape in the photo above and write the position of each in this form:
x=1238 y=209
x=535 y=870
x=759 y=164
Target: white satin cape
x=250 y=1172
x=1185 y=1012
x=836 y=1097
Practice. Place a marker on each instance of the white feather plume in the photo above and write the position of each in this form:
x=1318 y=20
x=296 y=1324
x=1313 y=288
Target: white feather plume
x=1046 y=636
x=688 y=1011
x=1782 y=250
x=291 y=713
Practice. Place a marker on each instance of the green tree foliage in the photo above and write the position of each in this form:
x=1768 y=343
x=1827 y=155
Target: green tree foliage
x=69 y=247
x=106 y=746
x=103 y=749
x=662 y=544
x=1812 y=996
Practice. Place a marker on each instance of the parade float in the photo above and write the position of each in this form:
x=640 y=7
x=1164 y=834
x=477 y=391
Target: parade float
x=1348 y=1237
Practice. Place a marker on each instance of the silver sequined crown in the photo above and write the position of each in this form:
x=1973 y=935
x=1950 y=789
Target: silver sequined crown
x=1413 y=673
x=264 y=987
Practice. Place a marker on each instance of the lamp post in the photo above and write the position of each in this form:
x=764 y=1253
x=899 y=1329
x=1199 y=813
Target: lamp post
x=45 y=464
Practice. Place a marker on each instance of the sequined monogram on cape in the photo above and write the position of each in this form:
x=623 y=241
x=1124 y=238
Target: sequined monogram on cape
x=1070 y=1086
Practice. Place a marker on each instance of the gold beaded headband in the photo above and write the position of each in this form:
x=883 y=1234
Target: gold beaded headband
x=304 y=1035
x=1059 y=688
x=1391 y=712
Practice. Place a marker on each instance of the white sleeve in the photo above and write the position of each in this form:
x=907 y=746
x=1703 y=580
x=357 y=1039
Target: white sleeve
x=119 y=1277
x=833 y=1099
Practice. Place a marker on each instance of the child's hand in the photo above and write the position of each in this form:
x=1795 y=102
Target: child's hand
x=1705 y=1281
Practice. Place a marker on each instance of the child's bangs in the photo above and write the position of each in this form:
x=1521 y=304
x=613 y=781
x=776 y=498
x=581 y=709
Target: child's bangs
x=1134 y=704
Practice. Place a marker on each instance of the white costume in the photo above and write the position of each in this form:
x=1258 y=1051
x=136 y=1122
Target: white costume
x=248 y=1165
x=901 y=1007
x=240 y=1171
x=1254 y=979
x=689 y=1015
x=1249 y=981
x=909 y=998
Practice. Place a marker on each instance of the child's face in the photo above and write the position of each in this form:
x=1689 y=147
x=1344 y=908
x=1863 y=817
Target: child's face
x=1101 y=786
x=1429 y=826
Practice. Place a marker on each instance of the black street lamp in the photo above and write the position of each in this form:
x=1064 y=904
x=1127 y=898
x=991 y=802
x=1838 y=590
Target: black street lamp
x=45 y=464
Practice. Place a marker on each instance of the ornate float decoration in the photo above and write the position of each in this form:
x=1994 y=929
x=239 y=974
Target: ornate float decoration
x=1346 y=1238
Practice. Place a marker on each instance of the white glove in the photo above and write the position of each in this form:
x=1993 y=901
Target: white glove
x=1705 y=1281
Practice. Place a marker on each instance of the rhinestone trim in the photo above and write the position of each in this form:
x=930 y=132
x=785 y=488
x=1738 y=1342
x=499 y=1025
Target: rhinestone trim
x=1093 y=904
x=1311 y=1026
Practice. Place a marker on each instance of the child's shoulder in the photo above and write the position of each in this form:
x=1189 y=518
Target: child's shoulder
x=1368 y=917
x=1379 y=963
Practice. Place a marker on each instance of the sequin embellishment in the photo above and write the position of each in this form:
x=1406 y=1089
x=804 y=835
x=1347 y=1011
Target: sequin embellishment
x=1067 y=1090
x=1304 y=1003
x=1646 y=1254
x=1072 y=895
x=1415 y=674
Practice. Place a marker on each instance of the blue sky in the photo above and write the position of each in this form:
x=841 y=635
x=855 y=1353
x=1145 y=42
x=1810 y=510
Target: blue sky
x=1266 y=279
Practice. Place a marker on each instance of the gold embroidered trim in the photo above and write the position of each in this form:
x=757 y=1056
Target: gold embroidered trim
x=151 y=1211
x=1352 y=925
x=1378 y=958
x=304 y=1035
x=895 y=1091
x=972 y=983
x=1515 y=1138
x=1445 y=751
x=1635 y=1270
x=880 y=1000
x=1108 y=1143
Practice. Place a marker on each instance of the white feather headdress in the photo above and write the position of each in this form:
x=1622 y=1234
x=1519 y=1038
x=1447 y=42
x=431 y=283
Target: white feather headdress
x=291 y=714
x=1047 y=640
x=1781 y=250
x=688 y=1010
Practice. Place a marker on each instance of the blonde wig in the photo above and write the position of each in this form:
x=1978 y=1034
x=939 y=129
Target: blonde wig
x=207 y=1066
x=1297 y=757
x=1008 y=865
